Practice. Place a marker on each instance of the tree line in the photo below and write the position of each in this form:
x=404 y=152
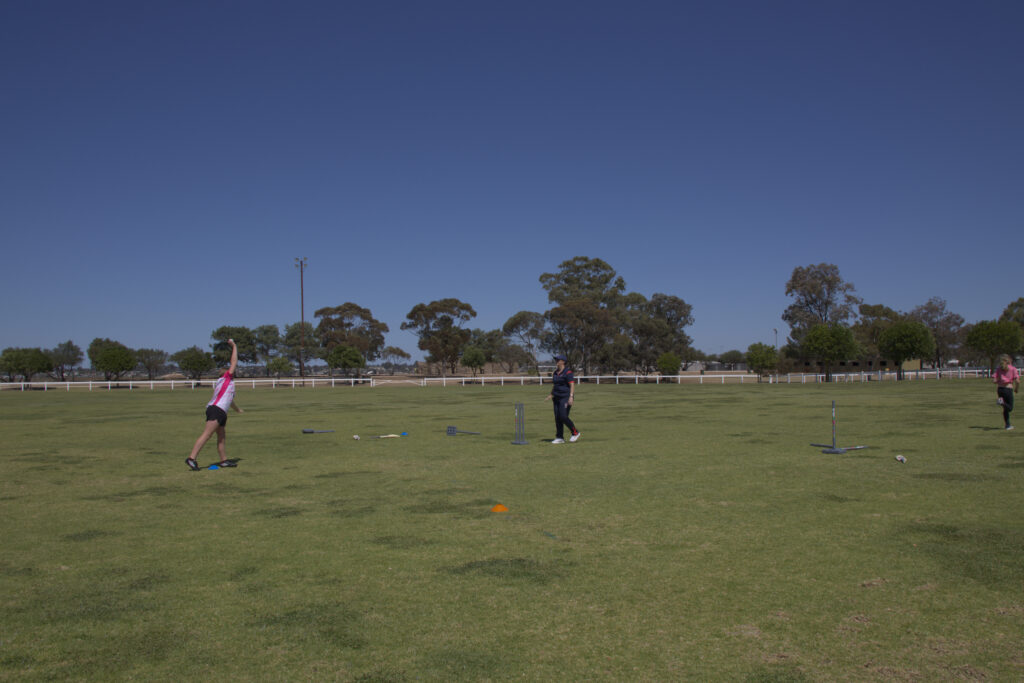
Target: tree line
x=593 y=320
x=830 y=324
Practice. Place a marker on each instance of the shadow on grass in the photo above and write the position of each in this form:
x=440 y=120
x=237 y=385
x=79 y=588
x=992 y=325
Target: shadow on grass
x=776 y=674
x=345 y=508
x=465 y=665
x=513 y=569
x=986 y=555
x=278 y=512
x=52 y=461
x=402 y=542
x=381 y=674
x=474 y=508
x=158 y=491
x=956 y=476
x=832 y=498
x=217 y=466
x=101 y=656
x=340 y=475
x=89 y=535
x=116 y=594
x=333 y=623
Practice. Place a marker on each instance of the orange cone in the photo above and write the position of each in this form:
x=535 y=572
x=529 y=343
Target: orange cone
x=499 y=508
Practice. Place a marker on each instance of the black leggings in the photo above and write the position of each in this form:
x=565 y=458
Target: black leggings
x=562 y=409
x=1006 y=393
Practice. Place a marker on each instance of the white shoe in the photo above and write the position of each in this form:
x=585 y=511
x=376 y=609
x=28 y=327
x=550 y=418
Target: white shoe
x=575 y=437
x=558 y=441
x=1009 y=428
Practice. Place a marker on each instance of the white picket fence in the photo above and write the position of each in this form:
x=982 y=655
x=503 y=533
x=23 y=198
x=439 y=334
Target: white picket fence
x=332 y=382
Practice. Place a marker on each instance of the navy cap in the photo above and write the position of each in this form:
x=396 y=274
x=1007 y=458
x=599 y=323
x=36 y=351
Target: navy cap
x=559 y=356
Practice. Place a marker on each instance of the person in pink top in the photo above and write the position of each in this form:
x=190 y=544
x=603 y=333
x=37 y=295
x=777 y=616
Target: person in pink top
x=1007 y=381
x=217 y=414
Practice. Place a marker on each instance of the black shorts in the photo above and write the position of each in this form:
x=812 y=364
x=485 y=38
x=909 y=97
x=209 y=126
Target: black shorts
x=1006 y=393
x=213 y=413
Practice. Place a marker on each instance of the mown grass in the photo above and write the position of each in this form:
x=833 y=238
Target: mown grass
x=692 y=534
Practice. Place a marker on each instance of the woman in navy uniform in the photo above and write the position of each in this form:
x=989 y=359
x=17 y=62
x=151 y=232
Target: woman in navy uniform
x=563 y=390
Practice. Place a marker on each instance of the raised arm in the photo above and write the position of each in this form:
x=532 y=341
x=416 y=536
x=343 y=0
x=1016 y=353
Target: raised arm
x=234 y=357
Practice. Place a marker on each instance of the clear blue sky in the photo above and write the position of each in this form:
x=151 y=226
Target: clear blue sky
x=163 y=163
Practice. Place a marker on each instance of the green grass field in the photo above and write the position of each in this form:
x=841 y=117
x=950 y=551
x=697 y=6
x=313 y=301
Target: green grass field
x=691 y=534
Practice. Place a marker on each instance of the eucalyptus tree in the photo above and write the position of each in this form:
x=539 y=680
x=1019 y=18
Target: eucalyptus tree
x=586 y=292
x=111 y=358
x=345 y=357
x=193 y=361
x=300 y=343
x=245 y=341
x=993 y=338
x=947 y=328
x=440 y=328
x=529 y=329
x=580 y=329
x=829 y=343
x=874 y=320
x=151 y=360
x=65 y=357
x=391 y=355
x=24 y=362
x=1014 y=311
x=267 y=340
x=820 y=296
x=762 y=359
x=351 y=325
x=905 y=340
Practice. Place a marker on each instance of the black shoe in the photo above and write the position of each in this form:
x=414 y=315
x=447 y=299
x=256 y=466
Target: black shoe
x=192 y=464
x=227 y=463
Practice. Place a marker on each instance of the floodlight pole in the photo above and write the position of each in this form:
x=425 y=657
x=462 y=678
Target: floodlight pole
x=301 y=265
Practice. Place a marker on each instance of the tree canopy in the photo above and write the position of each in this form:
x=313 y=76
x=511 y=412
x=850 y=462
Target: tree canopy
x=65 y=357
x=762 y=358
x=151 y=360
x=193 y=361
x=439 y=326
x=391 y=355
x=300 y=343
x=24 y=362
x=585 y=278
x=527 y=328
x=874 y=320
x=820 y=296
x=1014 y=311
x=904 y=340
x=829 y=343
x=111 y=358
x=244 y=338
x=946 y=328
x=267 y=341
x=992 y=338
x=351 y=325
x=345 y=357
x=473 y=357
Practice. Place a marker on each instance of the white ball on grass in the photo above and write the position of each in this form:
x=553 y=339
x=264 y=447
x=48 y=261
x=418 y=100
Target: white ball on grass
x=356 y=437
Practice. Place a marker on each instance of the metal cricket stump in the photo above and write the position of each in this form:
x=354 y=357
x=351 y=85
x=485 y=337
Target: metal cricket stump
x=833 y=449
x=520 y=426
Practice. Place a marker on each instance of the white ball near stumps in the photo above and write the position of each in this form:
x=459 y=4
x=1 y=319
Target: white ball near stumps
x=356 y=437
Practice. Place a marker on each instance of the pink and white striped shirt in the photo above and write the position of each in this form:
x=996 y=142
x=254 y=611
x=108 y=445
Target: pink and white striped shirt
x=223 y=392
